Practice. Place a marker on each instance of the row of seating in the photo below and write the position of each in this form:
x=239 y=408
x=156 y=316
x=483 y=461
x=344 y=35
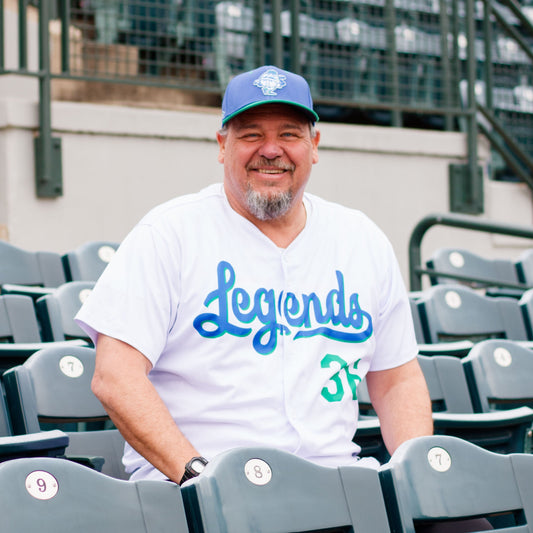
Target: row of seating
x=451 y=318
x=46 y=270
x=428 y=480
x=485 y=398
x=28 y=325
x=479 y=271
x=50 y=392
x=53 y=385
x=40 y=292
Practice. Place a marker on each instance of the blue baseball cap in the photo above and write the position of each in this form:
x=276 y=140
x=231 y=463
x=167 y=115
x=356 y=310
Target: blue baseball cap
x=266 y=85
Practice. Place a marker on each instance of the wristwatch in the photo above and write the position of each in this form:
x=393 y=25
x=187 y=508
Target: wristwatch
x=193 y=468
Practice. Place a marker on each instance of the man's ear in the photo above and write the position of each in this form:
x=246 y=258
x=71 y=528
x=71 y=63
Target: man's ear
x=316 y=141
x=221 y=139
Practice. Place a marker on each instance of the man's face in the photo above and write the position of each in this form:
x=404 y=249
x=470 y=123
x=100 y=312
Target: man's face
x=267 y=153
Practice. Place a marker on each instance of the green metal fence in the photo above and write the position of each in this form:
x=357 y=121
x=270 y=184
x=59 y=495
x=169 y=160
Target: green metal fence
x=421 y=63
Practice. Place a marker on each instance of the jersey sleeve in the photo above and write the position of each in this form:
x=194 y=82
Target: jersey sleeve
x=136 y=298
x=395 y=336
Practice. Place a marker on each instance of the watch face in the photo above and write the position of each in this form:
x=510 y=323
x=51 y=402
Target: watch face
x=197 y=466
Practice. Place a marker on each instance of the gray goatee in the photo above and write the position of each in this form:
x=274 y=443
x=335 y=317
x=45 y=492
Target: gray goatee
x=268 y=206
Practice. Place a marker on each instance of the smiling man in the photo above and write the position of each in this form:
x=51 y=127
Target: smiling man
x=248 y=313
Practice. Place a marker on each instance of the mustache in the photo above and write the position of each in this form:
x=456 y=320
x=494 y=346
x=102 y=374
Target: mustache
x=270 y=163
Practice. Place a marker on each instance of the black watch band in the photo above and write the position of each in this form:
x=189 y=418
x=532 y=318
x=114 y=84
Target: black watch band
x=193 y=468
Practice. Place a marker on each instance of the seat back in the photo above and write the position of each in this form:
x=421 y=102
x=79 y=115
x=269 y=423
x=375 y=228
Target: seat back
x=20 y=331
x=500 y=374
x=263 y=489
x=457 y=312
x=56 y=311
x=88 y=261
x=435 y=478
x=47 y=494
x=524 y=266
x=466 y=263
x=419 y=331
x=446 y=381
x=526 y=306
x=52 y=388
x=24 y=267
x=18 y=321
x=447 y=385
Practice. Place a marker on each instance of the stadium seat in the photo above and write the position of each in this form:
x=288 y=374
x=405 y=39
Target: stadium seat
x=47 y=494
x=27 y=272
x=20 y=334
x=52 y=389
x=460 y=262
x=439 y=479
x=453 y=412
x=524 y=266
x=43 y=444
x=263 y=489
x=88 y=261
x=56 y=311
x=458 y=348
x=456 y=312
x=499 y=373
x=419 y=332
x=18 y=321
x=526 y=305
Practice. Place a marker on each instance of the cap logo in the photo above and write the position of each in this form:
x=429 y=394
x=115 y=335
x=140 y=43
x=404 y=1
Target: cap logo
x=271 y=81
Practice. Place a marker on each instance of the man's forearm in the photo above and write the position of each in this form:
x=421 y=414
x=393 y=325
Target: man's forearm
x=121 y=384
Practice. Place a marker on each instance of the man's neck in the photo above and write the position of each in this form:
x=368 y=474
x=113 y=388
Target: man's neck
x=282 y=231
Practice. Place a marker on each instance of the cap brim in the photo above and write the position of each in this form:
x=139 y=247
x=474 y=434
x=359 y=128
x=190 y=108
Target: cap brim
x=309 y=112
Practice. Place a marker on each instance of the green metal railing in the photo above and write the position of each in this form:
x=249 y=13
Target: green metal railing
x=416 y=269
x=389 y=62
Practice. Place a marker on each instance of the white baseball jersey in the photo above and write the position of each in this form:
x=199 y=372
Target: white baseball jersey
x=253 y=345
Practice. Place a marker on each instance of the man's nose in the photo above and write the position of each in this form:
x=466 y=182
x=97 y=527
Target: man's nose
x=270 y=149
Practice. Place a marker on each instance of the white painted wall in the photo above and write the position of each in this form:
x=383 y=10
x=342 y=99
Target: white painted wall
x=118 y=162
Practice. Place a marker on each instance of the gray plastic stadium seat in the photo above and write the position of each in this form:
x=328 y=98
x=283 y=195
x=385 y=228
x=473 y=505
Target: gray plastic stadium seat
x=454 y=413
x=89 y=260
x=54 y=386
x=439 y=478
x=43 y=444
x=526 y=306
x=27 y=272
x=18 y=321
x=458 y=348
x=456 y=312
x=54 y=495
x=20 y=331
x=524 y=266
x=267 y=490
x=500 y=375
x=56 y=311
x=466 y=263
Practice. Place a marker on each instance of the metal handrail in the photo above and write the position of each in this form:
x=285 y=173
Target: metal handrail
x=456 y=221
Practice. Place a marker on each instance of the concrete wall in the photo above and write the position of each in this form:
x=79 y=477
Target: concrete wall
x=118 y=162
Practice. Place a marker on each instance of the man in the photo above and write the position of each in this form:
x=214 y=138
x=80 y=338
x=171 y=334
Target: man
x=248 y=313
